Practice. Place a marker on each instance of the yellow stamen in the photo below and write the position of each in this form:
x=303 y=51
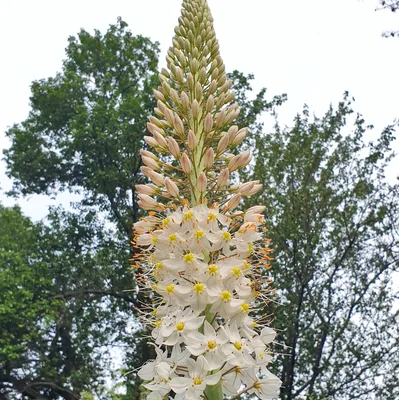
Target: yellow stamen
x=212 y=216
x=180 y=326
x=236 y=271
x=172 y=237
x=199 y=234
x=226 y=296
x=199 y=288
x=188 y=258
x=197 y=381
x=213 y=269
x=226 y=236
x=245 y=307
x=188 y=215
x=170 y=289
x=211 y=344
x=165 y=222
x=238 y=346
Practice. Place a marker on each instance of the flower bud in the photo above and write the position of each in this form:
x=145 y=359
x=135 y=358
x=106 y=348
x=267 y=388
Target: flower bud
x=209 y=158
x=202 y=75
x=208 y=123
x=160 y=140
x=198 y=91
x=150 y=162
x=195 y=109
x=155 y=121
x=148 y=189
x=191 y=140
x=178 y=125
x=212 y=87
x=220 y=119
x=173 y=147
x=245 y=188
x=239 y=137
x=148 y=203
x=158 y=95
x=223 y=143
x=156 y=178
x=185 y=163
x=234 y=163
x=174 y=96
x=233 y=202
x=202 y=182
x=255 y=189
x=171 y=187
x=209 y=104
x=190 y=81
x=185 y=101
x=148 y=154
x=245 y=159
x=150 y=141
x=256 y=210
x=223 y=178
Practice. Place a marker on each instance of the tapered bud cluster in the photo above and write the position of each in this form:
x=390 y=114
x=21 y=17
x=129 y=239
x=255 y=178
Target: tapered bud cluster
x=205 y=261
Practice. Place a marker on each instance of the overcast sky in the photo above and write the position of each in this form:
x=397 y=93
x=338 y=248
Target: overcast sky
x=313 y=50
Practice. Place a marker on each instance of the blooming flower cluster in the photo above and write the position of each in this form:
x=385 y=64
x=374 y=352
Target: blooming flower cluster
x=205 y=263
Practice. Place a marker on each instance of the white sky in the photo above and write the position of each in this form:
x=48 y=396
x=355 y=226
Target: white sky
x=313 y=50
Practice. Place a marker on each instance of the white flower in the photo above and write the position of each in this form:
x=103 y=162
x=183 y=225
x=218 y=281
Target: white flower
x=209 y=343
x=193 y=386
x=266 y=388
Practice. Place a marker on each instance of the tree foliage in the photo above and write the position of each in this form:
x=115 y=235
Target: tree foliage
x=393 y=6
x=334 y=223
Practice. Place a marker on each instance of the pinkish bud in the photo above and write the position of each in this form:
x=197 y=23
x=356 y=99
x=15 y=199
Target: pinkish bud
x=150 y=141
x=220 y=119
x=160 y=140
x=202 y=182
x=149 y=189
x=156 y=178
x=255 y=189
x=150 y=162
x=208 y=123
x=171 y=187
x=173 y=147
x=178 y=125
x=209 y=158
x=246 y=158
x=255 y=210
x=158 y=95
x=148 y=154
x=233 y=203
x=191 y=140
x=234 y=163
x=185 y=163
x=239 y=137
x=245 y=188
x=223 y=178
x=148 y=203
x=209 y=104
x=195 y=108
x=185 y=101
x=223 y=143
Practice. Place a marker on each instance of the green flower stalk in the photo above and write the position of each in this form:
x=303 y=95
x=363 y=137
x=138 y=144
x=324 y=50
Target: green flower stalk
x=206 y=262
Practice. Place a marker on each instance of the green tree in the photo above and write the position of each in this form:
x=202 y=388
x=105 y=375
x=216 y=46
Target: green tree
x=85 y=128
x=59 y=289
x=334 y=221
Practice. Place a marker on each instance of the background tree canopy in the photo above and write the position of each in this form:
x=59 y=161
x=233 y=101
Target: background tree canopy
x=66 y=288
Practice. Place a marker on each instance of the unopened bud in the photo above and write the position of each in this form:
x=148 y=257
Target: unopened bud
x=171 y=187
x=209 y=104
x=150 y=141
x=149 y=189
x=245 y=188
x=173 y=147
x=202 y=75
x=234 y=163
x=212 y=87
x=255 y=189
x=223 y=143
x=233 y=203
x=239 y=137
x=208 y=123
x=191 y=140
x=245 y=159
x=148 y=154
x=179 y=75
x=202 y=182
x=220 y=119
x=156 y=178
x=195 y=109
x=198 y=91
x=209 y=158
x=185 y=163
x=185 y=101
x=158 y=95
x=174 y=96
x=190 y=81
x=223 y=178
x=150 y=162
x=178 y=125
x=160 y=140
x=148 y=203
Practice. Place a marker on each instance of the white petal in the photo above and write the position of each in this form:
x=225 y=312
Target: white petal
x=180 y=384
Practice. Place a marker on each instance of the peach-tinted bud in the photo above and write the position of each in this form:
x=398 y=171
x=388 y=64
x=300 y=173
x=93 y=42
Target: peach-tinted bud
x=215 y=73
x=190 y=81
x=191 y=140
x=156 y=178
x=233 y=131
x=255 y=210
x=246 y=158
x=234 y=163
x=174 y=96
x=220 y=119
x=150 y=141
x=209 y=158
x=223 y=178
x=198 y=91
x=202 y=74
x=171 y=187
x=209 y=104
x=155 y=121
x=173 y=147
x=185 y=163
x=223 y=143
x=165 y=87
x=149 y=189
x=158 y=95
x=208 y=123
x=239 y=137
x=202 y=182
x=233 y=202
x=150 y=162
x=255 y=189
x=230 y=96
x=152 y=127
x=212 y=87
x=148 y=154
x=160 y=140
x=185 y=101
x=195 y=109
x=179 y=75
x=148 y=203
x=245 y=188
x=178 y=124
